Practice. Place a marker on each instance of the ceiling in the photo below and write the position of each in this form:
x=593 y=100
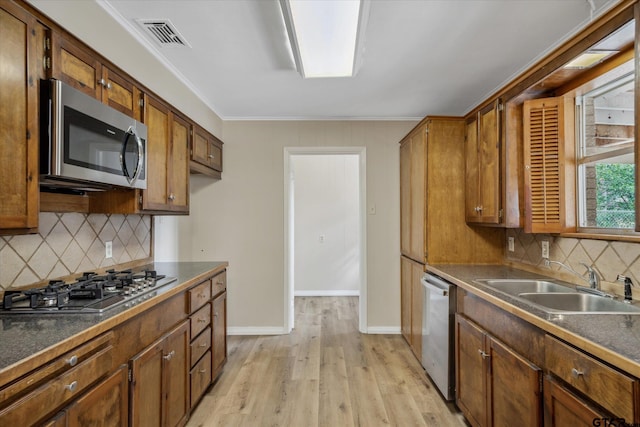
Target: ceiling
x=421 y=57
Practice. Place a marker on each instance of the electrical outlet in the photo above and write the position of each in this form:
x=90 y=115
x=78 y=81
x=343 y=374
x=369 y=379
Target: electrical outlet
x=511 y=243
x=545 y=249
x=108 y=249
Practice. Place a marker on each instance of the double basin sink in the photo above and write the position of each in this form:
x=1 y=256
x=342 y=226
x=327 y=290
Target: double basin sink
x=553 y=297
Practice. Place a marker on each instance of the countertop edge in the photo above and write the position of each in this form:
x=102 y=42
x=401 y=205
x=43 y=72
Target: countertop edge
x=597 y=350
x=24 y=366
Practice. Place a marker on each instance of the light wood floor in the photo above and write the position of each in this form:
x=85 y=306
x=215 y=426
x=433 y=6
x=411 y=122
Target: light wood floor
x=325 y=373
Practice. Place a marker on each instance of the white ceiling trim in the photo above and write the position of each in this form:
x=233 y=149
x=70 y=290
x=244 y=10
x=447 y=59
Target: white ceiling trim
x=138 y=34
x=324 y=118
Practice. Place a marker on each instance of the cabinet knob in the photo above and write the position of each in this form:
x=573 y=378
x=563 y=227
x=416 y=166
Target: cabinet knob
x=576 y=373
x=483 y=354
x=72 y=387
x=215 y=314
x=72 y=360
x=211 y=156
x=172 y=197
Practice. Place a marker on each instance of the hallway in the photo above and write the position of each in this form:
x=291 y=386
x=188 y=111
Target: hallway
x=325 y=373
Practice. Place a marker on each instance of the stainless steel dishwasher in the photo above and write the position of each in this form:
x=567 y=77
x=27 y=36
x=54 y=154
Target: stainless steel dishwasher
x=438 y=333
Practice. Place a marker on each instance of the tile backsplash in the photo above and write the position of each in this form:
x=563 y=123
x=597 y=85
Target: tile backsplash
x=69 y=243
x=609 y=258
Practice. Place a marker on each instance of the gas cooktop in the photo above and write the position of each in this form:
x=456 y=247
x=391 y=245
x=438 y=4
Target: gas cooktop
x=90 y=293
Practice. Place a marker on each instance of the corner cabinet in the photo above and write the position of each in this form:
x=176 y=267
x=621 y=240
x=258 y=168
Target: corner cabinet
x=206 y=153
x=21 y=40
x=482 y=170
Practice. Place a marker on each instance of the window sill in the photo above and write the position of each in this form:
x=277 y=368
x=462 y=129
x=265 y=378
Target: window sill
x=622 y=235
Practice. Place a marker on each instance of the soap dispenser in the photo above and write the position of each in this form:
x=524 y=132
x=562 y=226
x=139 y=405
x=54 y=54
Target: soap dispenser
x=627 y=288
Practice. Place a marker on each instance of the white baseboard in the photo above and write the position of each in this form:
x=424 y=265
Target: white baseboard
x=323 y=293
x=384 y=330
x=255 y=330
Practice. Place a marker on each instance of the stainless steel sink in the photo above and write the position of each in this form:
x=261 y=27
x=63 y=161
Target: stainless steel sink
x=524 y=286
x=578 y=303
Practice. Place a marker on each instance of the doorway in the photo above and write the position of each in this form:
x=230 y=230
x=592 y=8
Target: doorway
x=325 y=225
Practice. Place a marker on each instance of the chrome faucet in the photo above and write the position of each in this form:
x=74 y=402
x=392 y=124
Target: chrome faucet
x=592 y=277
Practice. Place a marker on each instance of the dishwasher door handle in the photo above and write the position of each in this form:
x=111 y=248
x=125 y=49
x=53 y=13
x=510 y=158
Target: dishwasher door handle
x=433 y=287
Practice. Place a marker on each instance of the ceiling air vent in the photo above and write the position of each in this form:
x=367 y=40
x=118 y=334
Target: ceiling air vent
x=163 y=32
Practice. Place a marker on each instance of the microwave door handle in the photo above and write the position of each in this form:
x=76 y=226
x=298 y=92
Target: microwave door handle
x=136 y=175
x=123 y=152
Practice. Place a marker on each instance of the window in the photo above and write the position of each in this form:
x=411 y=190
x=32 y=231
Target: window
x=605 y=156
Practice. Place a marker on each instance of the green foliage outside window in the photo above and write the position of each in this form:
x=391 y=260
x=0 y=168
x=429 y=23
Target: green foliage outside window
x=615 y=196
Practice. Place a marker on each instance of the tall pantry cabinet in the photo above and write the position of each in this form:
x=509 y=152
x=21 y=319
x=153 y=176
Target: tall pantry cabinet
x=432 y=215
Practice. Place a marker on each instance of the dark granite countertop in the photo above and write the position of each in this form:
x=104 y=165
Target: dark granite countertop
x=24 y=336
x=614 y=338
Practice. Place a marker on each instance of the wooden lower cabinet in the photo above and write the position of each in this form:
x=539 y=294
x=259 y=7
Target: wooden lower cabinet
x=105 y=405
x=412 y=300
x=160 y=381
x=219 y=334
x=495 y=386
x=563 y=408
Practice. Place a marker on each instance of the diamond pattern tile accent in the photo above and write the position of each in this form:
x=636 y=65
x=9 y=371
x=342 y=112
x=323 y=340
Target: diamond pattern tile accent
x=72 y=243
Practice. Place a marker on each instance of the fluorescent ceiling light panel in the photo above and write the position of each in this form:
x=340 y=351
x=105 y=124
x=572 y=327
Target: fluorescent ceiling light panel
x=589 y=59
x=323 y=35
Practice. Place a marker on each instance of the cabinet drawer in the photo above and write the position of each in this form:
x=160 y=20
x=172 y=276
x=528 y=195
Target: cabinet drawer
x=200 y=378
x=200 y=320
x=199 y=295
x=200 y=345
x=60 y=390
x=219 y=283
x=55 y=368
x=611 y=389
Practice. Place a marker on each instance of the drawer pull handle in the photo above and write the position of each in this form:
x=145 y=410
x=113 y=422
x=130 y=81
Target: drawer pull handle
x=201 y=320
x=203 y=345
x=72 y=360
x=483 y=354
x=203 y=371
x=72 y=387
x=576 y=373
x=169 y=356
x=201 y=295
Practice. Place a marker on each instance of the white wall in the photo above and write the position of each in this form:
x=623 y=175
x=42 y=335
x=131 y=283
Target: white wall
x=241 y=217
x=327 y=224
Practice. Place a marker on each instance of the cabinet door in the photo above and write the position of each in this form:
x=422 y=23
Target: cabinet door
x=489 y=161
x=405 y=296
x=563 y=408
x=146 y=387
x=158 y=121
x=104 y=405
x=471 y=368
x=76 y=66
x=200 y=146
x=417 y=303
x=472 y=187
x=18 y=119
x=515 y=388
x=219 y=332
x=121 y=94
x=176 y=375
x=178 y=165
x=405 y=197
x=418 y=193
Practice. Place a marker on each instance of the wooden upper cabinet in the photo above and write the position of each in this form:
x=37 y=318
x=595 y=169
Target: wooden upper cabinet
x=206 y=153
x=484 y=189
x=80 y=68
x=20 y=37
x=413 y=198
x=168 y=159
x=549 y=171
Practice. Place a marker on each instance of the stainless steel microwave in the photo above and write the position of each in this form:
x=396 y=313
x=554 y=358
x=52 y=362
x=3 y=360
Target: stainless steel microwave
x=88 y=145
